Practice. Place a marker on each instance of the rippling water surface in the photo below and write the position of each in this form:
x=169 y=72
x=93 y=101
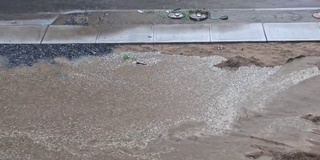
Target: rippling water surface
x=174 y=107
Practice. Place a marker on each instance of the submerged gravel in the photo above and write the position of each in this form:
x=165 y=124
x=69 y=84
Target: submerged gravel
x=16 y=55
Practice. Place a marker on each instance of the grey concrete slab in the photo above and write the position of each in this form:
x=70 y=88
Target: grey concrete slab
x=237 y=32
x=61 y=34
x=292 y=31
x=182 y=33
x=126 y=34
x=16 y=34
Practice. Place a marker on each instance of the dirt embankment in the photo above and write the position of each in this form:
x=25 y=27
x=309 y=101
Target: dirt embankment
x=238 y=54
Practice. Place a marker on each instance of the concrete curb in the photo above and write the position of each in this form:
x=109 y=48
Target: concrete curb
x=174 y=33
x=22 y=34
x=216 y=9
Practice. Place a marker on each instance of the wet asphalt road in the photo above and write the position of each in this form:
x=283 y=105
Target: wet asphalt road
x=33 y=6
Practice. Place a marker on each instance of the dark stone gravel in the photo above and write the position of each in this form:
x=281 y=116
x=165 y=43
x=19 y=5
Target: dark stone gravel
x=16 y=55
x=77 y=19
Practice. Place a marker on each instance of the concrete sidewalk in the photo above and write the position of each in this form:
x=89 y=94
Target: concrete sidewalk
x=153 y=26
x=171 y=33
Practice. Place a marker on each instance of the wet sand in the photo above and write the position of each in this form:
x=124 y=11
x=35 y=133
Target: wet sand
x=270 y=54
x=166 y=107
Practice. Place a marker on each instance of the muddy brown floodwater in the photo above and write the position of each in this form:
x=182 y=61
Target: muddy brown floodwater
x=165 y=107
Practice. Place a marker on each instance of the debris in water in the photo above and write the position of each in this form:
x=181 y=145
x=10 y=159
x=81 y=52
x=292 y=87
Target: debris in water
x=140 y=63
x=140 y=11
x=312 y=118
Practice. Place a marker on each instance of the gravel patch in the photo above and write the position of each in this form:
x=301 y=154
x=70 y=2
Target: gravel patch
x=15 y=55
x=77 y=19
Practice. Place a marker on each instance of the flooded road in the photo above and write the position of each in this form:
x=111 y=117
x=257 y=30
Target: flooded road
x=174 y=107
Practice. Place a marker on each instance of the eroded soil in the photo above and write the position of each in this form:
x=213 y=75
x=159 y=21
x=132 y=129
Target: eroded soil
x=260 y=54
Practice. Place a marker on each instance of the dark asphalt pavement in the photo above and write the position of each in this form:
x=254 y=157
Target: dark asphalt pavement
x=33 y=6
